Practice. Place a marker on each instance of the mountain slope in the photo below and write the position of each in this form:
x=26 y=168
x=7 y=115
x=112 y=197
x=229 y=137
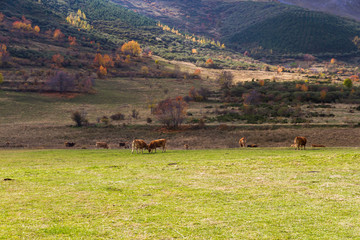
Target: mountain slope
x=256 y=26
x=346 y=8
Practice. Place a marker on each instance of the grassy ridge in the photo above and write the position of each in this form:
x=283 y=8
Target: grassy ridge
x=231 y=193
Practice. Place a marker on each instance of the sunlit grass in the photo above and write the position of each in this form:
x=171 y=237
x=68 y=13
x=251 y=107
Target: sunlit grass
x=207 y=194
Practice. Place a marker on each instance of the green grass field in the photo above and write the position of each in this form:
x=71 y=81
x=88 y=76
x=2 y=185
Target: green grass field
x=202 y=194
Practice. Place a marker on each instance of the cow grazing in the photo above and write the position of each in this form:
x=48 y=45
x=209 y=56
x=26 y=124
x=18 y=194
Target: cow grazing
x=69 y=144
x=242 y=142
x=102 y=145
x=138 y=144
x=157 y=143
x=252 y=145
x=124 y=144
x=317 y=145
x=186 y=146
x=299 y=142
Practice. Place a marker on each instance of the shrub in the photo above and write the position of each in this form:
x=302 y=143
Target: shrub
x=117 y=117
x=105 y=120
x=135 y=114
x=348 y=83
x=79 y=118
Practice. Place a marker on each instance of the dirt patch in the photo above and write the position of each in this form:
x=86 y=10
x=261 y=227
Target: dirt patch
x=53 y=136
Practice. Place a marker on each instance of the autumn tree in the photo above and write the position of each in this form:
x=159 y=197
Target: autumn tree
x=1 y=78
x=37 y=29
x=78 y=20
x=58 y=60
x=209 y=63
x=102 y=72
x=108 y=62
x=58 y=34
x=4 y=55
x=22 y=26
x=72 y=40
x=99 y=60
x=171 y=112
x=131 y=48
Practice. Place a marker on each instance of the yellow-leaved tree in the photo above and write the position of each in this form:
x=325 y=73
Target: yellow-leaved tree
x=131 y=48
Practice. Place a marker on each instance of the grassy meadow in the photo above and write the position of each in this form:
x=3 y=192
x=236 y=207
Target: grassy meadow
x=270 y=193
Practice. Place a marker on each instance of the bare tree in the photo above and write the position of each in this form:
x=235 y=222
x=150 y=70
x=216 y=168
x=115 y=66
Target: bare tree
x=61 y=82
x=171 y=112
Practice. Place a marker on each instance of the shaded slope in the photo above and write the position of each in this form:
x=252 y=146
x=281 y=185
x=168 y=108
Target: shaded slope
x=248 y=25
x=346 y=8
x=298 y=31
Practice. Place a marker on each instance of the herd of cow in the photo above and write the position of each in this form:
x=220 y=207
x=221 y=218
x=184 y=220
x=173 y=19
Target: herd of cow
x=299 y=142
x=139 y=144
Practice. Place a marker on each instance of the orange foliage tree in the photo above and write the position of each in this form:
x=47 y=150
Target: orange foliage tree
x=102 y=71
x=209 y=62
x=108 y=62
x=131 y=48
x=58 y=60
x=37 y=29
x=72 y=40
x=58 y=34
x=99 y=60
x=4 y=55
x=354 y=78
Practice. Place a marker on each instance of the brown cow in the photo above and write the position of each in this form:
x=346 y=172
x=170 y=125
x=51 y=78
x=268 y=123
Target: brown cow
x=186 y=146
x=242 y=142
x=299 y=141
x=252 y=145
x=138 y=144
x=102 y=145
x=69 y=144
x=157 y=143
x=317 y=145
x=124 y=144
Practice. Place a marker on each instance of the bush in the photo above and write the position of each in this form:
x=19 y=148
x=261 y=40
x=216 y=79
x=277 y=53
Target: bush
x=135 y=114
x=79 y=118
x=117 y=117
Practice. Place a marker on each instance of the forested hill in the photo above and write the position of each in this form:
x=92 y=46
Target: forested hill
x=347 y=8
x=99 y=10
x=260 y=27
x=69 y=34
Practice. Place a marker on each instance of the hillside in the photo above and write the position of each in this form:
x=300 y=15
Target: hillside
x=264 y=28
x=346 y=8
x=105 y=28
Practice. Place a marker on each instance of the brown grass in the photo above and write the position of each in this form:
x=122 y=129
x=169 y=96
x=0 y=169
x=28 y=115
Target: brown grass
x=54 y=136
